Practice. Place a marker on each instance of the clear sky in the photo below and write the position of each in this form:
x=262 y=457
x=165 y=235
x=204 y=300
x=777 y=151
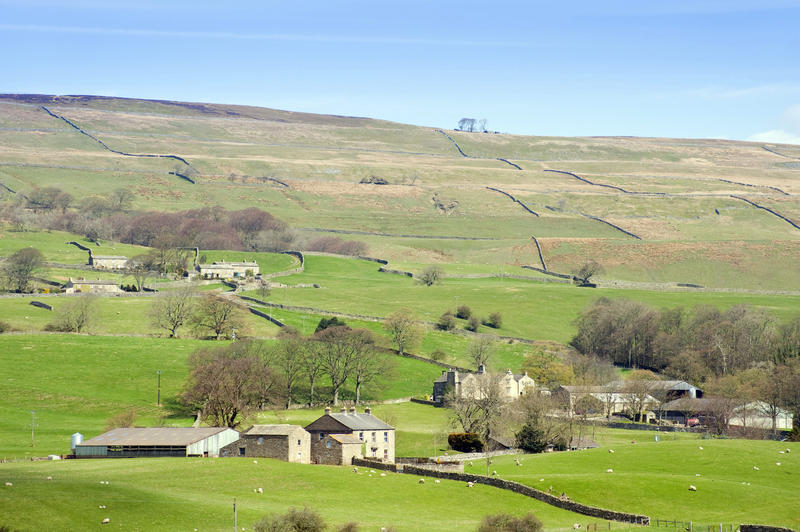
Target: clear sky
x=697 y=68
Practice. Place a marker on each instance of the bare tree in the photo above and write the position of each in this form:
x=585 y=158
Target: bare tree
x=312 y=366
x=478 y=409
x=122 y=199
x=227 y=386
x=431 y=275
x=140 y=268
x=481 y=350
x=587 y=270
x=17 y=270
x=533 y=418
x=369 y=365
x=289 y=359
x=467 y=124
x=218 y=315
x=637 y=391
x=171 y=309
x=403 y=329
x=482 y=125
x=339 y=348
x=75 y=315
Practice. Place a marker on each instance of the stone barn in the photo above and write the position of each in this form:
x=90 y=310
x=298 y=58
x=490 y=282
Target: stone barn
x=159 y=441
x=91 y=286
x=290 y=443
x=337 y=438
x=107 y=262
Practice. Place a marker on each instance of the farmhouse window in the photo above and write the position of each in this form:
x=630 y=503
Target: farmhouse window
x=373 y=436
x=260 y=440
x=386 y=436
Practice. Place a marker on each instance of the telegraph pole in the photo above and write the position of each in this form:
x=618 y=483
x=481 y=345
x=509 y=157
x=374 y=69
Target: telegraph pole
x=158 y=396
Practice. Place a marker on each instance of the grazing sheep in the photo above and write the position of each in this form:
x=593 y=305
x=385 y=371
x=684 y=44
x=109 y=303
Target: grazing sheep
x=576 y=526
x=777 y=463
x=9 y=484
x=611 y=451
x=102 y=506
x=49 y=478
x=355 y=470
x=697 y=474
x=383 y=474
x=494 y=473
x=421 y=481
x=700 y=447
x=255 y=461
x=788 y=450
x=516 y=461
x=781 y=452
x=372 y=472
x=106 y=521
x=436 y=481
x=692 y=488
x=609 y=470
x=541 y=480
x=755 y=468
x=470 y=484
x=470 y=464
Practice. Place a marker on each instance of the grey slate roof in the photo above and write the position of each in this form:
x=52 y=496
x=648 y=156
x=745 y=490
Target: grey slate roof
x=349 y=421
x=271 y=430
x=175 y=436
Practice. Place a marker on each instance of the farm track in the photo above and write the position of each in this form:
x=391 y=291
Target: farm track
x=104 y=145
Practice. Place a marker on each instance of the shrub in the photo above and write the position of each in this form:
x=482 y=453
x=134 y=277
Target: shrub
x=447 y=322
x=431 y=275
x=463 y=312
x=473 y=323
x=438 y=355
x=495 y=320
x=465 y=442
x=510 y=523
x=324 y=323
x=4 y=327
x=305 y=520
x=352 y=526
x=332 y=244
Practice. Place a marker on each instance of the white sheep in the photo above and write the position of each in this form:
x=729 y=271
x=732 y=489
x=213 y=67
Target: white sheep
x=755 y=468
x=9 y=484
x=355 y=470
x=260 y=490
x=788 y=450
x=383 y=474
x=777 y=463
x=516 y=461
x=421 y=481
x=106 y=521
x=609 y=470
x=470 y=484
x=692 y=488
x=611 y=451
x=436 y=481
x=576 y=526
x=372 y=472
x=700 y=447
x=494 y=473
x=255 y=461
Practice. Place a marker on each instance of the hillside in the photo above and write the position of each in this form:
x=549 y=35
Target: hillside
x=652 y=212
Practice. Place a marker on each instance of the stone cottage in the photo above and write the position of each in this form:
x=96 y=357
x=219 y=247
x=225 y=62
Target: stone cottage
x=96 y=286
x=107 y=262
x=471 y=385
x=228 y=270
x=289 y=443
x=337 y=438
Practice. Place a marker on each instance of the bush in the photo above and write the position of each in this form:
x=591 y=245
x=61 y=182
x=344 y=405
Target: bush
x=510 y=523
x=495 y=320
x=4 y=327
x=465 y=442
x=447 y=322
x=324 y=323
x=473 y=323
x=463 y=312
x=531 y=438
x=431 y=275
x=438 y=355
x=305 y=520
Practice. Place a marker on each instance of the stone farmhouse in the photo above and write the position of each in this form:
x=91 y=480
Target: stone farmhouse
x=337 y=438
x=290 y=443
x=473 y=384
x=228 y=270
x=158 y=441
x=96 y=286
x=107 y=262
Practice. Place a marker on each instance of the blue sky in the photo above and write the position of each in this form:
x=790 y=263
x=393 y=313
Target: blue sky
x=701 y=68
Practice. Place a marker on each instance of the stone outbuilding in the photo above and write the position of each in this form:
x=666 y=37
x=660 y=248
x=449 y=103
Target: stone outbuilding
x=107 y=262
x=337 y=438
x=228 y=270
x=290 y=443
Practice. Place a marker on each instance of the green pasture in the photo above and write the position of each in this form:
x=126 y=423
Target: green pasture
x=179 y=493
x=542 y=311
x=653 y=478
x=54 y=247
x=267 y=262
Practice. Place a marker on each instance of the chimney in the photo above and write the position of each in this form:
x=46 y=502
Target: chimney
x=343 y=410
x=352 y=410
x=368 y=411
x=327 y=410
x=481 y=369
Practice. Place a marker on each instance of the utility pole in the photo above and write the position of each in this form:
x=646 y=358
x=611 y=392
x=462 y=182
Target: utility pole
x=158 y=396
x=33 y=428
x=235 y=516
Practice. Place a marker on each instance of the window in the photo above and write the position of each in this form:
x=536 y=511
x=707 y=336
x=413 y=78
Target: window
x=386 y=454
x=361 y=436
x=386 y=436
x=241 y=451
x=321 y=436
x=373 y=436
x=260 y=440
x=328 y=444
x=298 y=443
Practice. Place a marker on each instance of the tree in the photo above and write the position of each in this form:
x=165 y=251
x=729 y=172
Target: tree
x=466 y=124
x=473 y=323
x=463 y=312
x=227 y=386
x=333 y=321
x=547 y=370
x=788 y=342
x=18 y=268
x=540 y=428
x=481 y=350
x=218 y=315
x=121 y=199
x=305 y=520
x=312 y=366
x=446 y=322
x=637 y=390
x=75 y=315
x=172 y=309
x=586 y=271
x=477 y=409
x=431 y=275
x=368 y=365
x=48 y=199
x=403 y=330
x=482 y=125
x=289 y=359
x=339 y=348
x=510 y=523
x=495 y=320
x=140 y=268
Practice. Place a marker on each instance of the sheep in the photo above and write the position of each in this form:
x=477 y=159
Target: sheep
x=700 y=447
x=372 y=472
x=355 y=470
x=106 y=521
x=255 y=461
x=781 y=452
x=692 y=488
x=609 y=470
x=541 y=480
x=576 y=526
x=494 y=473
x=436 y=481
x=697 y=474
x=788 y=450
x=260 y=490
x=777 y=463
x=9 y=484
x=516 y=461
x=755 y=468
x=421 y=481
x=470 y=484
x=611 y=451
x=49 y=478
x=383 y=474
x=470 y=464
x=102 y=506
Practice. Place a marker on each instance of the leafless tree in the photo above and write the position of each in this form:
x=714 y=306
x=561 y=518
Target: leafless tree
x=339 y=348
x=478 y=409
x=75 y=315
x=369 y=365
x=312 y=366
x=431 y=275
x=171 y=309
x=140 y=268
x=228 y=386
x=637 y=391
x=466 y=124
x=482 y=125
x=481 y=350
x=587 y=270
x=218 y=315
x=289 y=358
x=122 y=199
x=403 y=329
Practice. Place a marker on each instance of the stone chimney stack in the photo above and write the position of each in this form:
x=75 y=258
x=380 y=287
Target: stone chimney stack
x=327 y=410
x=352 y=410
x=343 y=410
x=368 y=411
x=481 y=369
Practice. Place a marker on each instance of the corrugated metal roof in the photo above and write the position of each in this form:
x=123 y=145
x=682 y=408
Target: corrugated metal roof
x=154 y=436
x=271 y=430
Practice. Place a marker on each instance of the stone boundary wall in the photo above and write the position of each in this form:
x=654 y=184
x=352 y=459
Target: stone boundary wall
x=395 y=272
x=266 y=316
x=568 y=278
x=366 y=233
x=572 y=506
x=427 y=463
x=79 y=246
x=539 y=250
x=764 y=528
x=779 y=215
x=425 y=402
x=518 y=167
x=515 y=200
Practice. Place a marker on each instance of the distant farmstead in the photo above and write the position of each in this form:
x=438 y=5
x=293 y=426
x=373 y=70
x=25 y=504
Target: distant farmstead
x=228 y=270
x=107 y=262
x=338 y=438
x=159 y=441
x=92 y=286
x=473 y=385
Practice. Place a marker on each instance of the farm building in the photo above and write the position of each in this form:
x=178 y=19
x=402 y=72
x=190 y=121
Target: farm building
x=603 y=400
x=469 y=384
x=337 y=438
x=290 y=443
x=228 y=270
x=92 y=286
x=159 y=441
x=107 y=262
